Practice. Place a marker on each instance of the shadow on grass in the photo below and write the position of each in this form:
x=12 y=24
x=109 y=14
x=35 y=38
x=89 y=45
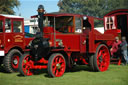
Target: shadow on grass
x=20 y=75
x=36 y=72
x=74 y=69
x=79 y=68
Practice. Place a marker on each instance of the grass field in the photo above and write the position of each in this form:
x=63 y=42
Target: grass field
x=81 y=75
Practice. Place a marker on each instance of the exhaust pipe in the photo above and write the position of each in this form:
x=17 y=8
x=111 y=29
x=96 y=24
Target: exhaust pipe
x=40 y=18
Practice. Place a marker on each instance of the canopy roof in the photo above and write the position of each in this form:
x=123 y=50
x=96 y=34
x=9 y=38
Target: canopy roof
x=117 y=12
x=58 y=14
x=10 y=16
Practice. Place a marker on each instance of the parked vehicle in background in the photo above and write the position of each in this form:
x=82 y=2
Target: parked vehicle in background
x=12 y=41
x=31 y=25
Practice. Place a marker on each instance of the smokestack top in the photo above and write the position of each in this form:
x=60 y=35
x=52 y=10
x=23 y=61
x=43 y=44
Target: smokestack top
x=40 y=8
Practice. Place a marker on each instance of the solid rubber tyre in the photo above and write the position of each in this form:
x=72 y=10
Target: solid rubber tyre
x=91 y=62
x=11 y=61
x=56 y=65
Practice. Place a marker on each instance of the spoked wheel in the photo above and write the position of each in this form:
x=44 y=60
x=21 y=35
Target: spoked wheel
x=101 y=59
x=56 y=65
x=25 y=65
x=11 y=61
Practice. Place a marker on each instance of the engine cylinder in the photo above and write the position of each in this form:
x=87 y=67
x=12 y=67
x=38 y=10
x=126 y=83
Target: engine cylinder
x=39 y=48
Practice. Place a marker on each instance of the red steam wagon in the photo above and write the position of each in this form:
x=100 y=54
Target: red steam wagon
x=63 y=40
x=12 y=41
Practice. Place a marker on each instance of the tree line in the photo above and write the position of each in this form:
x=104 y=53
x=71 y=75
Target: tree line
x=96 y=8
x=7 y=6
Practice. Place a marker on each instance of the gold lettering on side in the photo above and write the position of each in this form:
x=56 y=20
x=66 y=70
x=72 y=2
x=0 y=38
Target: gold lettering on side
x=18 y=38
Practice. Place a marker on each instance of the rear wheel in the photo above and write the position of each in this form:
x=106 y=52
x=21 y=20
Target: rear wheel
x=11 y=60
x=56 y=65
x=25 y=65
x=101 y=59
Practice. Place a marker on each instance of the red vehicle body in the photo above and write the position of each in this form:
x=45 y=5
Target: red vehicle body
x=69 y=39
x=12 y=41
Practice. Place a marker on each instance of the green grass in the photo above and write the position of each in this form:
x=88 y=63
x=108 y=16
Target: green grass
x=116 y=75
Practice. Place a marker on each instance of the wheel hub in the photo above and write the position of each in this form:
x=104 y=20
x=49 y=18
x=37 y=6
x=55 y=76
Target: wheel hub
x=58 y=66
x=15 y=61
x=25 y=61
x=100 y=58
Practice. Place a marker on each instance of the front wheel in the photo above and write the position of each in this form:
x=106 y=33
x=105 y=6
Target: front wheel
x=25 y=65
x=101 y=58
x=11 y=61
x=56 y=65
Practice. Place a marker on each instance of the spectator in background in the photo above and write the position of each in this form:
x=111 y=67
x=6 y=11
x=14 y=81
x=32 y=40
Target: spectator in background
x=123 y=46
x=115 y=46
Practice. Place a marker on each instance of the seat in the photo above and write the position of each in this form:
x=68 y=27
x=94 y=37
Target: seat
x=70 y=29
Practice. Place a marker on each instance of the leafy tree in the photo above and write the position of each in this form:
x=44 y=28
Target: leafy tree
x=97 y=8
x=7 y=6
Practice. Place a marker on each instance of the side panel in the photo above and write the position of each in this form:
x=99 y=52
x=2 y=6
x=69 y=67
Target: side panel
x=9 y=41
x=71 y=42
x=92 y=42
x=94 y=38
x=83 y=43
